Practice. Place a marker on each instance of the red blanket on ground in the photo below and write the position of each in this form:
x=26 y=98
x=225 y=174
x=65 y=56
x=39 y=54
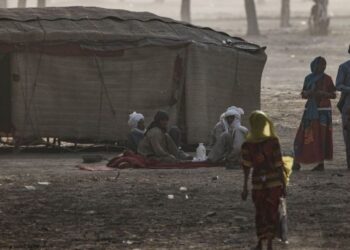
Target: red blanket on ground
x=131 y=160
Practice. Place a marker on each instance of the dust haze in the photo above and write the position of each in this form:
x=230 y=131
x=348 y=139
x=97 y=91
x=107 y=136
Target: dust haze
x=80 y=210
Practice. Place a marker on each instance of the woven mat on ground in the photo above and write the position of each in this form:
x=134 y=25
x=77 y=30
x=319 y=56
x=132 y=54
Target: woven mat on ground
x=132 y=160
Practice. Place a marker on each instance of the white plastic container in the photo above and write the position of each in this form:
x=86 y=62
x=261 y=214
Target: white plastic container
x=201 y=152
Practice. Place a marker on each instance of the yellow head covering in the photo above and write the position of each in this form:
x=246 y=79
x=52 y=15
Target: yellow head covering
x=262 y=127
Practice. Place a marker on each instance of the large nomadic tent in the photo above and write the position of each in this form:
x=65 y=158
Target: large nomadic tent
x=76 y=73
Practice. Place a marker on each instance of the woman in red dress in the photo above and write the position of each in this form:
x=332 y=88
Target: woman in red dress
x=314 y=142
x=262 y=153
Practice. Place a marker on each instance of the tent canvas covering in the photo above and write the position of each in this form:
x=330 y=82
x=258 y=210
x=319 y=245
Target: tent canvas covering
x=76 y=73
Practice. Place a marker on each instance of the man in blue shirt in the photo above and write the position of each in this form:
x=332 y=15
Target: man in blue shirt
x=343 y=85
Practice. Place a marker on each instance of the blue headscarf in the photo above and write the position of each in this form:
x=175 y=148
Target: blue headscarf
x=311 y=108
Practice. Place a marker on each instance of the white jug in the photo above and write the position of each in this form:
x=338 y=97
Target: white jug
x=201 y=152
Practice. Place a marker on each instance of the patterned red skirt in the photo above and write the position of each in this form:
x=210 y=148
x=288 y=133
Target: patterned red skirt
x=266 y=203
x=314 y=140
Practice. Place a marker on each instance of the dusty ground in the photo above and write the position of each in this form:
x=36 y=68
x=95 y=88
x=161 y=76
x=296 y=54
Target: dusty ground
x=84 y=210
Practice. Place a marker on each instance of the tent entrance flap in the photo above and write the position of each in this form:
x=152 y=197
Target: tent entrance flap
x=5 y=93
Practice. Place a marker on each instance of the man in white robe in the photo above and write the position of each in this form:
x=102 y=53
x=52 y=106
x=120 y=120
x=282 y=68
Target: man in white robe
x=227 y=138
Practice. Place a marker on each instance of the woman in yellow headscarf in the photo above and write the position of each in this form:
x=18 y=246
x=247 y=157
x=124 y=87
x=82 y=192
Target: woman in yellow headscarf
x=262 y=153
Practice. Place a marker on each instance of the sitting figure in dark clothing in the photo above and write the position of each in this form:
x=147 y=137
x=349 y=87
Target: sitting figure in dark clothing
x=157 y=143
x=137 y=132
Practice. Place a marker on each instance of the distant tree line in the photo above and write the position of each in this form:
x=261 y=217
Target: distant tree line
x=251 y=14
x=252 y=20
x=22 y=3
x=319 y=20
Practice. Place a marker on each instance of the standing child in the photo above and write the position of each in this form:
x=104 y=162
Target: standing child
x=262 y=153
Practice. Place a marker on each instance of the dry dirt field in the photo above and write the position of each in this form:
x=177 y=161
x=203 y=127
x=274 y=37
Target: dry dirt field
x=89 y=210
x=84 y=210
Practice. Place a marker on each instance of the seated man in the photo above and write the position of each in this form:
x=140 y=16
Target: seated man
x=227 y=138
x=157 y=143
x=137 y=126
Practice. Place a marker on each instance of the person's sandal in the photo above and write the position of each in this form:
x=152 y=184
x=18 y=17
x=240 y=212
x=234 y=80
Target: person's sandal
x=319 y=167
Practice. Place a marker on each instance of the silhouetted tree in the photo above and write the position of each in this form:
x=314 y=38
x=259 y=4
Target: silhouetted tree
x=186 y=11
x=3 y=4
x=22 y=3
x=41 y=3
x=252 y=20
x=285 y=13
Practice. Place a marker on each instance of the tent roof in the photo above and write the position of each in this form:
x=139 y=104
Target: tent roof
x=91 y=25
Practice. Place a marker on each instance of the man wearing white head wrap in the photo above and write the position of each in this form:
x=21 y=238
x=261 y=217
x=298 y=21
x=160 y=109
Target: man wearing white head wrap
x=240 y=132
x=227 y=137
x=134 y=119
x=137 y=125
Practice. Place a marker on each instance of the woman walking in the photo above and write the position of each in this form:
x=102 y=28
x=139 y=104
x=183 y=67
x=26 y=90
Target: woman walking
x=314 y=142
x=262 y=153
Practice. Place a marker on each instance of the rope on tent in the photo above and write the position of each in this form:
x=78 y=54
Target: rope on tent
x=29 y=100
x=102 y=81
x=103 y=89
x=101 y=74
x=100 y=101
x=237 y=68
x=27 y=118
x=100 y=108
x=182 y=123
